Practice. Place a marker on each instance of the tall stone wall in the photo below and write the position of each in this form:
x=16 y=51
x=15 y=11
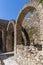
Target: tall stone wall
x=31 y=24
x=27 y=8
x=40 y=10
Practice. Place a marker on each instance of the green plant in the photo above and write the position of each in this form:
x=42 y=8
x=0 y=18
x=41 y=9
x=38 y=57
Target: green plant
x=41 y=1
x=32 y=11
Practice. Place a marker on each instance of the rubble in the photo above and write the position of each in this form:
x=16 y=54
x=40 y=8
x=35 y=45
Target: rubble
x=28 y=55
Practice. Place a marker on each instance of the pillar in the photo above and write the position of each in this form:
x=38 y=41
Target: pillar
x=15 y=48
x=9 y=43
x=3 y=40
x=40 y=10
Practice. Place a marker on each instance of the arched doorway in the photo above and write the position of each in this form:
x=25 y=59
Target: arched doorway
x=27 y=8
x=10 y=36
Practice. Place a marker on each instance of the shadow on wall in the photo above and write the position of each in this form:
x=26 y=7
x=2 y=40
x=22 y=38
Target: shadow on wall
x=38 y=46
x=1 y=41
x=27 y=37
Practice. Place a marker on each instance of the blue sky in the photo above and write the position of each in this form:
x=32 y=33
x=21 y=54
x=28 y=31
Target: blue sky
x=9 y=9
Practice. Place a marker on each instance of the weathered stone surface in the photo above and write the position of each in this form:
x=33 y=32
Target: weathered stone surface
x=28 y=56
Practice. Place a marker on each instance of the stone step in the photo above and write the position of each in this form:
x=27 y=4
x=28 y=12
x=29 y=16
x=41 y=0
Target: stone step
x=7 y=53
x=0 y=62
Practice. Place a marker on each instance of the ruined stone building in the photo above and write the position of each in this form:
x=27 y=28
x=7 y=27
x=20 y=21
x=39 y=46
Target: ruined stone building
x=24 y=35
x=23 y=30
x=3 y=27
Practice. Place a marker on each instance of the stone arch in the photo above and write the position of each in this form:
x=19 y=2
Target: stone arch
x=26 y=8
x=10 y=41
x=25 y=36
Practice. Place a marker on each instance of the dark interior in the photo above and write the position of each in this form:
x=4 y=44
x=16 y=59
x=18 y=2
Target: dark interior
x=27 y=37
x=0 y=41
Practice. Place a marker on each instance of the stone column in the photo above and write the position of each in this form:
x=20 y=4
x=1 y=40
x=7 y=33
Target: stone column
x=9 y=43
x=15 y=48
x=3 y=40
x=40 y=10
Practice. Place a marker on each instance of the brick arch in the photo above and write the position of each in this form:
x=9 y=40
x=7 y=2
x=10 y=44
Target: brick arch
x=10 y=31
x=26 y=8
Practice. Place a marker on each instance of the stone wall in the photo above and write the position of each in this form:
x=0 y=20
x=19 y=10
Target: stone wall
x=29 y=55
x=26 y=8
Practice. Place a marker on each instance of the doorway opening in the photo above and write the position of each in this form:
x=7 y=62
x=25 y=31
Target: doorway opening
x=10 y=38
x=0 y=41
